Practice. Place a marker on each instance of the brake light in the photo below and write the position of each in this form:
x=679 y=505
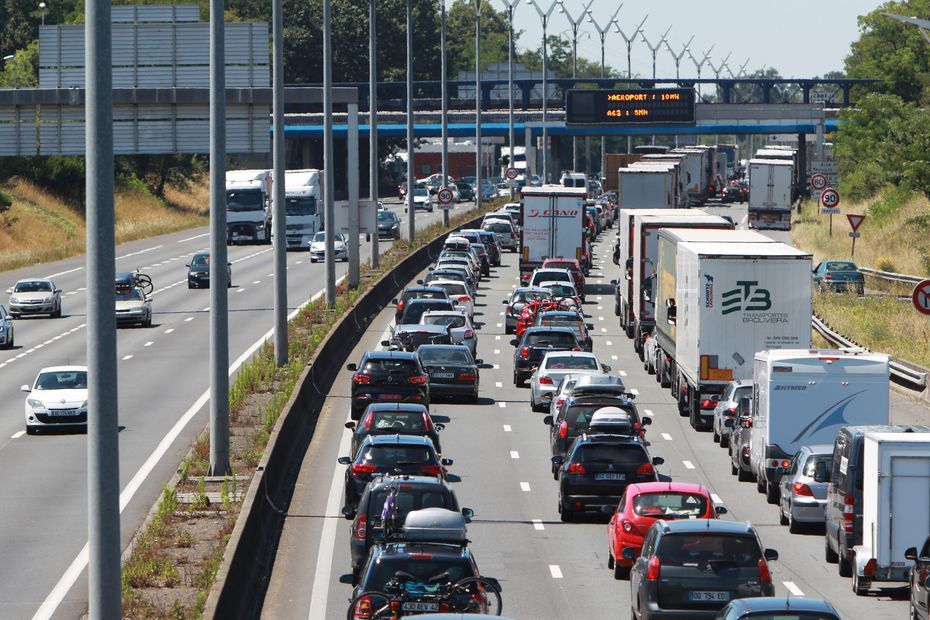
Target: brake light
x=869 y=569
x=366 y=423
x=427 y=422
x=558 y=403
x=745 y=452
x=848 y=514
x=361 y=379
x=420 y=556
x=828 y=277
x=646 y=469
x=432 y=470
x=363 y=608
x=802 y=489
x=576 y=468
x=708 y=404
x=684 y=388
x=563 y=430
x=361 y=527
x=363 y=468
x=730 y=411
x=764 y=575
x=464 y=298
x=417 y=380
x=525 y=353
x=828 y=359
x=544 y=380
x=467 y=376
x=469 y=333
x=655 y=569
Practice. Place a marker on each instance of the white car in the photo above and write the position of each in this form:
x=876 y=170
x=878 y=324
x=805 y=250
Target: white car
x=422 y=199
x=318 y=247
x=57 y=399
x=459 y=294
x=133 y=307
x=554 y=366
x=562 y=391
x=35 y=296
x=506 y=234
x=550 y=275
x=460 y=326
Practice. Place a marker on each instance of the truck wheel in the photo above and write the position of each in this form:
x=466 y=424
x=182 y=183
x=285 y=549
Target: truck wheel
x=859 y=586
x=771 y=493
x=760 y=484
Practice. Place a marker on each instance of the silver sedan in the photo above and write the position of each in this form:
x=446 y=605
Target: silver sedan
x=554 y=366
x=804 y=487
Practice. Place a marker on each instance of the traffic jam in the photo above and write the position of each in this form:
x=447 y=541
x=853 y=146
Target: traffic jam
x=720 y=319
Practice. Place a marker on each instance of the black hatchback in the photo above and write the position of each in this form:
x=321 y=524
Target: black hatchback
x=198 y=271
x=388 y=376
x=394 y=418
x=536 y=342
x=452 y=371
x=416 y=292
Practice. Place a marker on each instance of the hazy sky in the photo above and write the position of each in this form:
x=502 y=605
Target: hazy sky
x=801 y=38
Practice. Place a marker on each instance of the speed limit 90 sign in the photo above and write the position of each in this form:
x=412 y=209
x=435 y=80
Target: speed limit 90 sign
x=830 y=198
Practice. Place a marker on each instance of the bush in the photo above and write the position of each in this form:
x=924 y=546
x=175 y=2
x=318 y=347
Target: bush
x=5 y=202
x=890 y=202
x=885 y=264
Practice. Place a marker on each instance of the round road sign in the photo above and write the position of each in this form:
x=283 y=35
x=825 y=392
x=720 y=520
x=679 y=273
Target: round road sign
x=818 y=182
x=445 y=196
x=921 y=297
x=830 y=198
x=512 y=173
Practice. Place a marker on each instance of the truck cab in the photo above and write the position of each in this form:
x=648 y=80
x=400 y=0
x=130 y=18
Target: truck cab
x=248 y=213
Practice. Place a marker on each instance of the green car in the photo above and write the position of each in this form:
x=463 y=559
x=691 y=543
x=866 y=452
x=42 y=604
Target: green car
x=839 y=276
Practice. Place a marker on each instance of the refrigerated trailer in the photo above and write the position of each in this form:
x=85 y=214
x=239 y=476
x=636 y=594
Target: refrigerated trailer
x=648 y=186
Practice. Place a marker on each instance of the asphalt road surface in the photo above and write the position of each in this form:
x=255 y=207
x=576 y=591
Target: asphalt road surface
x=500 y=448
x=162 y=380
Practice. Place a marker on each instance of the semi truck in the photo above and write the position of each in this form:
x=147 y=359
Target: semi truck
x=803 y=397
x=770 y=198
x=248 y=206
x=728 y=155
x=648 y=186
x=699 y=165
x=303 y=202
x=788 y=154
x=717 y=305
x=552 y=224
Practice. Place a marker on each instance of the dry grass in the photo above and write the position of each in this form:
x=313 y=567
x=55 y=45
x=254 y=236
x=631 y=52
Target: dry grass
x=41 y=227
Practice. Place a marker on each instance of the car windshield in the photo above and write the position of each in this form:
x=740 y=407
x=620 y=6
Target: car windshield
x=628 y=455
x=390 y=365
x=132 y=294
x=62 y=380
x=400 y=421
x=524 y=296
x=384 y=455
x=450 y=320
x=421 y=193
x=422 y=567
x=305 y=205
x=810 y=465
x=386 y=216
x=444 y=356
x=405 y=501
x=33 y=286
x=555 y=339
x=707 y=549
x=669 y=505
x=563 y=362
x=841 y=266
x=201 y=260
x=245 y=200
x=498 y=227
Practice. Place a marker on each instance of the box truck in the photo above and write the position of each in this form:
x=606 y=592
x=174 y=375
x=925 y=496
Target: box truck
x=552 y=220
x=248 y=206
x=303 y=202
x=803 y=397
x=717 y=304
x=770 y=197
x=688 y=172
x=788 y=154
x=895 y=506
x=647 y=187
x=697 y=165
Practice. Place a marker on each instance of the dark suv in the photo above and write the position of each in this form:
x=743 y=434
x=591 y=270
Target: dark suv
x=597 y=471
x=394 y=418
x=536 y=342
x=388 y=376
x=693 y=567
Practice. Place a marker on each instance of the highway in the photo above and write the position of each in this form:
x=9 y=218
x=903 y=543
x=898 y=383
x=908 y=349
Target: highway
x=500 y=448
x=163 y=386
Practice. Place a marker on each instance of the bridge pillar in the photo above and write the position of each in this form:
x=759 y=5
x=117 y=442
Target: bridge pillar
x=766 y=92
x=727 y=88
x=803 y=181
x=305 y=153
x=846 y=88
x=526 y=93
x=486 y=96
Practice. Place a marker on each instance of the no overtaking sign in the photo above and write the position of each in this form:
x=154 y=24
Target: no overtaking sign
x=921 y=297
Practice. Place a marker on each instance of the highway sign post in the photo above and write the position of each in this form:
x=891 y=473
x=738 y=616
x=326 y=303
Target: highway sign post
x=445 y=198
x=854 y=221
x=921 y=297
x=512 y=174
x=818 y=182
x=830 y=204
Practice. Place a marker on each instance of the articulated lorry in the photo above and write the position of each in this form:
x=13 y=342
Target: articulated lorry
x=717 y=304
x=552 y=224
x=770 y=198
x=303 y=206
x=248 y=206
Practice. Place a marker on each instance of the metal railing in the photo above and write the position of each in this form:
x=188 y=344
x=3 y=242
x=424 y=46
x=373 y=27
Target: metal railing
x=903 y=373
x=891 y=276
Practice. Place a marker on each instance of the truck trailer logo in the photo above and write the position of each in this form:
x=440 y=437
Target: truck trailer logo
x=557 y=213
x=748 y=297
x=709 y=291
x=832 y=416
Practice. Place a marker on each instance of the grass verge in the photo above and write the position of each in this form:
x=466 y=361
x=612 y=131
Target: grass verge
x=173 y=559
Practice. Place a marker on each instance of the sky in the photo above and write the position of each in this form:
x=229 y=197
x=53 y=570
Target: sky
x=800 y=38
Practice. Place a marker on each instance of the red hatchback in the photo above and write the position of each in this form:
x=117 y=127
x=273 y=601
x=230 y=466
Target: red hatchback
x=644 y=504
x=571 y=265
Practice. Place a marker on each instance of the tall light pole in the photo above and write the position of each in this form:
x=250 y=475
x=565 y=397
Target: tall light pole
x=279 y=215
x=655 y=48
x=742 y=69
x=42 y=8
x=699 y=65
x=373 y=167
x=602 y=34
x=677 y=57
x=629 y=62
x=411 y=182
x=575 y=24
x=478 y=150
x=544 y=18
x=445 y=112
x=511 y=7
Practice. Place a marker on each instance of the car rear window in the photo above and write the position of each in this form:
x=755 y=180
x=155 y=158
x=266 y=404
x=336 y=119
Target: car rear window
x=393 y=366
x=445 y=356
x=561 y=265
x=393 y=454
x=668 y=505
x=563 y=362
x=449 y=320
x=559 y=290
x=558 y=339
x=498 y=227
x=575 y=326
x=551 y=276
x=400 y=421
x=810 y=465
x=422 y=567
x=407 y=500
x=523 y=296
x=841 y=266
x=424 y=295
x=694 y=550
x=631 y=455
x=415 y=311
x=453 y=288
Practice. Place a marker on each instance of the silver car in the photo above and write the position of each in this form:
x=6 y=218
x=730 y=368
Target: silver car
x=555 y=365
x=133 y=307
x=804 y=487
x=35 y=296
x=318 y=247
x=460 y=326
x=6 y=329
x=727 y=407
x=506 y=234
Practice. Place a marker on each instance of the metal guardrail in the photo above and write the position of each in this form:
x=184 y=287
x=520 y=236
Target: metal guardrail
x=891 y=276
x=908 y=375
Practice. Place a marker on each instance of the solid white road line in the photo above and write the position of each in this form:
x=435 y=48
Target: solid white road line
x=666 y=437
x=139 y=252
x=127 y=357
x=514 y=454
x=61 y=273
x=168 y=331
x=17 y=434
x=793 y=588
x=538 y=524
x=555 y=571
x=507 y=428
x=716 y=498
x=525 y=487
x=688 y=464
x=648 y=412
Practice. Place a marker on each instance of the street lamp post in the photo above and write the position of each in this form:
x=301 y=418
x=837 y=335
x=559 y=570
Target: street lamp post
x=42 y=8
x=655 y=49
x=511 y=7
x=602 y=34
x=445 y=111
x=11 y=58
x=677 y=57
x=699 y=65
x=478 y=150
x=373 y=167
x=411 y=182
x=629 y=62
x=544 y=18
x=575 y=24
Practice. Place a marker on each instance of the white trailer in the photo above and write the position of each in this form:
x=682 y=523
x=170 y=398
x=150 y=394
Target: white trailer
x=803 y=397
x=697 y=166
x=552 y=224
x=684 y=175
x=646 y=187
x=248 y=206
x=770 y=197
x=895 y=506
x=730 y=300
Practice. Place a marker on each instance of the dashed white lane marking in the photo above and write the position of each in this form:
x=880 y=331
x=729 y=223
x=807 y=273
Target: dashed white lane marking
x=127 y=357
x=666 y=437
x=514 y=454
x=149 y=343
x=82 y=288
x=256 y=281
x=17 y=434
x=497 y=337
x=139 y=252
x=498 y=384
x=600 y=307
x=600 y=318
x=525 y=487
x=207 y=309
x=647 y=412
x=168 y=331
x=497 y=351
x=502 y=405
x=608 y=343
x=555 y=571
x=240 y=290
x=688 y=464
x=189 y=319
x=614 y=357
x=716 y=499
x=634 y=391
x=300 y=262
x=603 y=330
x=495 y=366
x=622 y=373
x=194 y=237
x=793 y=588
x=598 y=298
x=500 y=324
x=270 y=275
x=507 y=428
x=502 y=314
x=538 y=524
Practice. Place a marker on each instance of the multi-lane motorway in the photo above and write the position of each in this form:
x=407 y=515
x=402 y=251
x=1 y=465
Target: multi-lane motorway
x=163 y=381
x=547 y=569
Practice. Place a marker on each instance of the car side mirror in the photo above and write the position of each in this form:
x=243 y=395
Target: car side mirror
x=606 y=367
x=446 y=462
x=558 y=459
x=658 y=460
x=613 y=281
x=229 y=264
x=513 y=342
x=589 y=325
x=721 y=510
x=479 y=361
x=352 y=367
x=9 y=291
x=25 y=388
x=185 y=264
x=57 y=291
x=628 y=554
x=350 y=425
x=344 y=460
x=646 y=421
x=729 y=423
x=468 y=513
x=439 y=426
x=420 y=282
x=505 y=302
x=547 y=420
x=771 y=555
x=911 y=554
x=348 y=512
x=385 y=343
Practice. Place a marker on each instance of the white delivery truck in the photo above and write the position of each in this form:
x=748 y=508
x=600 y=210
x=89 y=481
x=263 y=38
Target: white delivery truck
x=675 y=186
x=717 y=304
x=552 y=224
x=647 y=187
x=303 y=201
x=248 y=206
x=770 y=194
x=789 y=154
x=895 y=505
x=802 y=397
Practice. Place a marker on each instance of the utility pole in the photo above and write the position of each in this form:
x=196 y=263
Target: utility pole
x=629 y=62
x=511 y=7
x=103 y=568
x=544 y=18
x=478 y=150
x=445 y=112
x=279 y=215
x=575 y=24
x=411 y=181
x=329 y=182
x=373 y=163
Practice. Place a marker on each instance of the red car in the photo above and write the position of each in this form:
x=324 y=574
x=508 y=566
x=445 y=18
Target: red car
x=571 y=265
x=644 y=504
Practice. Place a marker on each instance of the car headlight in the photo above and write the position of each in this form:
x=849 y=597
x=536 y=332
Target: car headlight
x=394 y=226
x=48 y=300
x=14 y=300
x=35 y=404
x=84 y=406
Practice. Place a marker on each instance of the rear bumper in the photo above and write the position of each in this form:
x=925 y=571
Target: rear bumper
x=452 y=389
x=808 y=511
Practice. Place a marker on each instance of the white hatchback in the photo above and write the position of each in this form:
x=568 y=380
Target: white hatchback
x=554 y=366
x=57 y=399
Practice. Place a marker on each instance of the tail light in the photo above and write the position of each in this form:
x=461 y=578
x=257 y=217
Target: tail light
x=655 y=569
x=361 y=379
x=629 y=527
x=417 y=380
x=363 y=609
x=467 y=376
x=708 y=404
x=558 y=403
x=563 y=430
x=745 y=452
x=366 y=423
x=646 y=469
x=848 y=515
x=363 y=468
x=764 y=575
x=785 y=464
x=469 y=333
x=730 y=411
x=525 y=353
x=361 y=527
x=427 y=422
x=544 y=380
x=684 y=388
x=431 y=470
x=464 y=298
x=400 y=305
x=869 y=569
x=802 y=489
x=576 y=468
x=828 y=277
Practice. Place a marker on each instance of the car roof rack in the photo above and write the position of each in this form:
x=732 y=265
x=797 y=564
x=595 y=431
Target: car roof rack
x=433 y=525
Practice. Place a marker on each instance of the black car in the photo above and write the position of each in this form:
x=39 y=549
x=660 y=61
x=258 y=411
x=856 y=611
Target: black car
x=390 y=454
x=411 y=493
x=444 y=273
x=388 y=376
x=414 y=309
x=452 y=370
x=597 y=470
x=693 y=567
x=536 y=342
x=773 y=607
x=740 y=429
x=409 y=336
x=388 y=225
x=466 y=191
x=198 y=271
x=394 y=418
x=416 y=292
x=570 y=319
x=919 y=580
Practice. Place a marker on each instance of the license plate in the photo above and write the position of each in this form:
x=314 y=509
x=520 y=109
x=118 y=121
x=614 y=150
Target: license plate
x=389 y=396
x=444 y=375
x=610 y=476
x=704 y=596
x=414 y=606
x=62 y=412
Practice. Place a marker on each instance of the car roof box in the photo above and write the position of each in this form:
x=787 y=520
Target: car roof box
x=436 y=525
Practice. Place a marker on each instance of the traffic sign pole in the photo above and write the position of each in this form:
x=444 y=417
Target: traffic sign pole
x=830 y=203
x=854 y=222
